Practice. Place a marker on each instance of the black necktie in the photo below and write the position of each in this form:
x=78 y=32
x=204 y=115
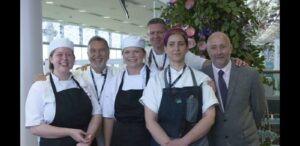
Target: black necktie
x=223 y=87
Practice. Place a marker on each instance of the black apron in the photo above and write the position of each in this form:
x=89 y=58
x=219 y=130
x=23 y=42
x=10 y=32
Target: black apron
x=180 y=109
x=73 y=110
x=129 y=128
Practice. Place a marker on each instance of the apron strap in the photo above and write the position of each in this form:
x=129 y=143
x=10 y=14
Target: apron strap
x=147 y=74
x=147 y=77
x=121 y=84
x=165 y=78
x=54 y=88
x=76 y=82
x=193 y=76
x=53 y=85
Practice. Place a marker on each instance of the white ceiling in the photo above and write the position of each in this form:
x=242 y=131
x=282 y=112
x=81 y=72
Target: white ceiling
x=140 y=12
x=68 y=11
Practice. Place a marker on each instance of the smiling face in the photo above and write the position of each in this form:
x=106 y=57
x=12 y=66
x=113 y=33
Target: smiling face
x=62 y=59
x=133 y=57
x=156 y=35
x=98 y=54
x=176 y=48
x=219 y=49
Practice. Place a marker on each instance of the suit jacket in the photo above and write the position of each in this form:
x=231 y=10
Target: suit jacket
x=245 y=107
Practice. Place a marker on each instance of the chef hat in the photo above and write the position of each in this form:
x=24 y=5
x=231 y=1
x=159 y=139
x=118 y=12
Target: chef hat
x=133 y=41
x=60 y=43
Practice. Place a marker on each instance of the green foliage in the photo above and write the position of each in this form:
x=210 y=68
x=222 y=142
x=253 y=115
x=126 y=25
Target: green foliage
x=232 y=17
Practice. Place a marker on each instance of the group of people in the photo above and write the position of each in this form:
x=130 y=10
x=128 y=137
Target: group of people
x=163 y=96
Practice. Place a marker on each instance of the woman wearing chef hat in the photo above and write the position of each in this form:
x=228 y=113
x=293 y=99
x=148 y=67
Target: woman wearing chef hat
x=124 y=123
x=63 y=110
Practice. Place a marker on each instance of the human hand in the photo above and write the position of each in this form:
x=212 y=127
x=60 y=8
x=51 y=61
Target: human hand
x=176 y=142
x=84 y=67
x=88 y=138
x=82 y=144
x=212 y=84
x=79 y=135
x=88 y=142
x=40 y=77
x=240 y=62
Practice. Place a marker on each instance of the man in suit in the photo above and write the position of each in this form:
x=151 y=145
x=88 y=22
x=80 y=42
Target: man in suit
x=240 y=94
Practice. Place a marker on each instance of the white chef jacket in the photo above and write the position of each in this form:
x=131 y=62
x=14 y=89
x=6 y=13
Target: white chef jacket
x=110 y=91
x=40 y=104
x=98 y=77
x=191 y=60
x=152 y=94
x=99 y=80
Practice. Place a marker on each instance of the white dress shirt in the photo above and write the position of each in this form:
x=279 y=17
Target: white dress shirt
x=226 y=76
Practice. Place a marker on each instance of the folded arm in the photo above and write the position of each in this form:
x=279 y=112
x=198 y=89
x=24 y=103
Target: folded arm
x=49 y=131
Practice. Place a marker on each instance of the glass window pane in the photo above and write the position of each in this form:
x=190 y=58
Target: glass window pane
x=124 y=36
x=50 y=30
x=77 y=52
x=72 y=32
x=84 y=53
x=87 y=34
x=45 y=51
x=44 y=34
x=113 y=54
x=116 y=40
x=57 y=28
x=105 y=35
x=119 y=54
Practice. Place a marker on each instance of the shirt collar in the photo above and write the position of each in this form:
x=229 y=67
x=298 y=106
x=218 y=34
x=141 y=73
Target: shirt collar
x=157 y=54
x=226 y=68
x=175 y=71
x=56 y=79
x=102 y=73
x=142 y=71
